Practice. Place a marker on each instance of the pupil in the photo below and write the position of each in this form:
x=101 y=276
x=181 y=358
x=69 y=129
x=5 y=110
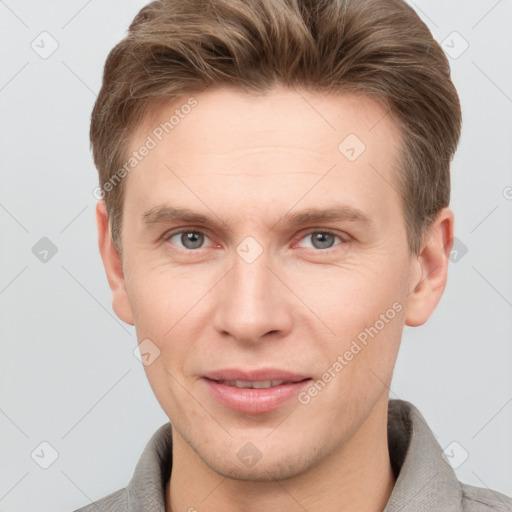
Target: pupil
x=192 y=240
x=323 y=240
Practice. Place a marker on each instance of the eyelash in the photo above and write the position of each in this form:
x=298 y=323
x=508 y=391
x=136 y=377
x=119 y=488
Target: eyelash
x=314 y=250
x=343 y=239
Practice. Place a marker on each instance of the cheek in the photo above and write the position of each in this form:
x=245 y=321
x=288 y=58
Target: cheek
x=361 y=311
x=351 y=296
x=169 y=310
x=162 y=298
x=166 y=306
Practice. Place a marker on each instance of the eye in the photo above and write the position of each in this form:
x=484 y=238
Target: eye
x=188 y=239
x=321 y=239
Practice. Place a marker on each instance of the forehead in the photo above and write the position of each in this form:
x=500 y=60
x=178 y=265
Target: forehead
x=222 y=116
x=257 y=149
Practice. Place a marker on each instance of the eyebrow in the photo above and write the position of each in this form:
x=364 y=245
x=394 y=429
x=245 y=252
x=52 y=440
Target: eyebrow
x=166 y=214
x=333 y=213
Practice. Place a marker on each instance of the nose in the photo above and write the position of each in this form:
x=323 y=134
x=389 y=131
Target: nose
x=252 y=302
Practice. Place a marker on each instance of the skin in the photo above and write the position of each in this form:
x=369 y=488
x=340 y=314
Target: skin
x=246 y=161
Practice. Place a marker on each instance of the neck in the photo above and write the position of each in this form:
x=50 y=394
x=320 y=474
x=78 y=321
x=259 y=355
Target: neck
x=357 y=476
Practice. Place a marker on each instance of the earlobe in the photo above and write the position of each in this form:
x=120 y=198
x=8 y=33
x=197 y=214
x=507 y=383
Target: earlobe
x=433 y=260
x=113 y=264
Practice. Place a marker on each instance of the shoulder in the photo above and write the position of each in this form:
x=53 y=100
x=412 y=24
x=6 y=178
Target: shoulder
x=114 y=502
x=479 y=499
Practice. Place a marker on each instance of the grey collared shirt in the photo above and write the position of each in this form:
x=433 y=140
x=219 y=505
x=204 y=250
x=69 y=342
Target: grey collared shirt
x=426 y=482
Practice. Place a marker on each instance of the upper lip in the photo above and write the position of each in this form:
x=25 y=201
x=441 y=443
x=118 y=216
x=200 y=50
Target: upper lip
x=258 y=375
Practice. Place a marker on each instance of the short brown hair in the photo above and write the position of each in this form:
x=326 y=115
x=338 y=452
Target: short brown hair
x=378 y=48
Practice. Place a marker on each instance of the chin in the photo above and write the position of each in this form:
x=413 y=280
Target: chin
x=268 y=465
x=271 y=471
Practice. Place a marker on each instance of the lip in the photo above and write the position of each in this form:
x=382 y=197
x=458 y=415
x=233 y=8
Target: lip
x=254 y=400
x=255 y=375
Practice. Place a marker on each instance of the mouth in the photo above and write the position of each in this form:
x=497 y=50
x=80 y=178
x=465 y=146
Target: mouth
x=248 y=393
x=262 y=384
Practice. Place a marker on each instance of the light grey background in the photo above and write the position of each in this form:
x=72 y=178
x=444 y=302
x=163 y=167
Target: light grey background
x=68 y=375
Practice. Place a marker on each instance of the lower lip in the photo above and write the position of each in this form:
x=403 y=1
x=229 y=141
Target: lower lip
x=252 y=400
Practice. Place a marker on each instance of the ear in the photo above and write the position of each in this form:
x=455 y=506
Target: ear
x=113 y=264
x=432 y=260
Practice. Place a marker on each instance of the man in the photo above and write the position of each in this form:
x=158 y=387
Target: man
x=275 y=194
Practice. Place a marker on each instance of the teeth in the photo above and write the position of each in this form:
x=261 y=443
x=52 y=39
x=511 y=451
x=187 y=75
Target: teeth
x=264 y=384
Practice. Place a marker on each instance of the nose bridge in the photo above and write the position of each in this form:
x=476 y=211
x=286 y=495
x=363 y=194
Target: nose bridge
x=250 y=303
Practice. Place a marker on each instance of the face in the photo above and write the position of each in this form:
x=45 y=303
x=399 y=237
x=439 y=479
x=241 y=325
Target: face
x=264 y=242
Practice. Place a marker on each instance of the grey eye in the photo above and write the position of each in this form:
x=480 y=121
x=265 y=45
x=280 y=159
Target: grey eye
x=322 y=240
x=189 y=239
x=319 y=240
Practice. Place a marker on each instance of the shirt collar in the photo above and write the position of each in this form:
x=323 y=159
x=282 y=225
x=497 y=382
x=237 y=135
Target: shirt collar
x=425 y=480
